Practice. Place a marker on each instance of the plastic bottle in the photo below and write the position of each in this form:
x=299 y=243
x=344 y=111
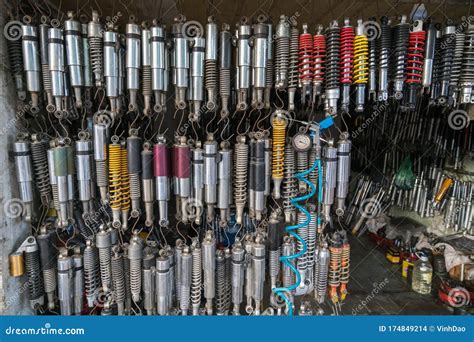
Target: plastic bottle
x=422 y=275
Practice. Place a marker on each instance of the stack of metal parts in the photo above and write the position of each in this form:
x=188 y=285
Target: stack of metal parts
x=201 y=211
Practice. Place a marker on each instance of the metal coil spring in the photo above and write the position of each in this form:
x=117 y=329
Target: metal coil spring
x=40 y=166
x=46 y=77
x=274 y=262
x=278 y=150
x=126 y=271
x=184 y=297
x=135 y=278
x=334 y=274
x=50 y=282
x=302 y=161
x=317 y=266
x=135 y=190
x=210 y=73
x=220 y=283
x=55 y=192
x=457 y=61
x=372 y=54
x=269 y=74
x=345 y=263
x=313 y=175
x=15 y=56
x=196 y=277
x=401 y=34
x=305 y=52
x=303 y=233
x=118 y=277
x=436 y=64
x=146 y=77
x=385 y=43
x=224 y=82
x=333 y=43
x=115 y=185
x=282 y=56
x=467 y=74
x=311 y=241
x=322 y=281
x=95 y=51
x=319 y=57
x=33 y=271
x=448 y=42
x=288 y=276
x=105 y=271
x=228 y=281
x=124 y=180
x=101 y=173
x=415 y=57
x=293 y=68
x=347 y=54
x=91 y=270
x=290 y=188
x=240 y=175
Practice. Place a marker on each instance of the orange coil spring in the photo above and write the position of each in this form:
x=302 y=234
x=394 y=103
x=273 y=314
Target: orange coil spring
x=115 y=176
x=415 y=57
x=334 y=276
x=345 y=264
x=305 y=63
x=278 y=156
x=319 y=57
x=361 y=60
x=125 y=180
x=347 y=54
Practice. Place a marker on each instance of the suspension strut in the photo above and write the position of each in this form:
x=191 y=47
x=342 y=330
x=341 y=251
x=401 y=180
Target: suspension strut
x=414 y=67
x=384 y=51
x=333 y=41
x=347 y=59
x=401 y=35
x=319 y=60
x=305 y=64
x=210 y=61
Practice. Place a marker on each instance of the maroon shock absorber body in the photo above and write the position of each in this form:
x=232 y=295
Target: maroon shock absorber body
x=161 y=167
x=181 y=157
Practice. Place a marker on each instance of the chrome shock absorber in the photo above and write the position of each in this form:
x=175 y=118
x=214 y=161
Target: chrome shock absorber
x=240 y=177
x=84 y=169
x=196 y=83
x=225 y=64
x=135 y=255
x=333 y=42
x=238 y=268
x=269 y=66
x=290 y=189
x=282 y=51
x=329 y=177
x=220 y=283
x=78 y=263
x=293 y=66
x=149 y=295
x=182 y=175
x=118 y=277
x=209 y=268
x=40 y=167
x=321 y=276
x=65 y=283
x=343 y=172
x=133 y=61
x=52 y=178
x=211 y=63
x=430 y=47
x=257 y=177
x=400 y=35
x=259 y=61
x=111 y=68
x=467 y=73
x=161 y=170
x=244 y=57
x=224 y=175
x=210 y=175
x=31 y=62
x=101 y=137
x=134 y=144
x=372 y=67
x=57 y=68
x=457 y=64
x=45 y=240
x=288 y=276
x=103 y=241
x=258 y=267
x=94 y=33
x=43 y=48
x=163 y=281
x=302 y=261
x=147 y=77
x=196 y=277
x=126 y=273
x=158 y=65
x=384 y=50
x=180 y=62
x=275 y=233
x=197 y=165
x=448 y=42
x=74 y=55
x=91 y=273
x=186 y=275
x=147 y=182
x=61 y=173
x=267 y=142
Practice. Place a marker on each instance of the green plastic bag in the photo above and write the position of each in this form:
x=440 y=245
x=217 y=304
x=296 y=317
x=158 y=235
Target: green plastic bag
x=405 y=178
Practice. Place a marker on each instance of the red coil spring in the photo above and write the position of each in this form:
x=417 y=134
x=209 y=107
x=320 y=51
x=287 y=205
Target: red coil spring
x=416 y=47
x=319 y=57
x=305 y=64
x=347 y=54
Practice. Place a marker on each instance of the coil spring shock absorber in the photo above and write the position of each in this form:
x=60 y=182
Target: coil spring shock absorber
x=319 y=62
x=46 y=246
x=240 y=176
x=279 y=123
x=238 y=268
x=181 y=62
x=225 y=65
x=301 y=261
x=196 y=81
x=31 y=62
x=91 y=273
x=333 y=41
x=111 y=68
x=43 y=46
x=65 y=282
x=305 y=63
x=385 y=43
x=290 y=189
x=209 y=267
x=345 y=264
x=196 y=280
x=282 y=53
x=146 y=68
x=322 y=259
x=101 y=137
x=118 y=278
x=259 y=61
x=334 y=276
x=15 y=58
x=40 y=167
x=115 y=181
x=125 y=186
x=220 y=283
x=211 y=63
x=57 y=68
x=360 y=72
x=94 y=33
x=24 y=173
x=161 y=164
x=275 y=233
x=293 y=67
x=448 y=42
x=72 y=36
x=133 y=60
x=457 y=64
x=414 y=67
x=467 y=73
x=134 y=144
x=347 y=59
x=103 y=242
x=269 y=66
x=157 y=64
x=372 y=67
x=401 y=34
x=135 y=255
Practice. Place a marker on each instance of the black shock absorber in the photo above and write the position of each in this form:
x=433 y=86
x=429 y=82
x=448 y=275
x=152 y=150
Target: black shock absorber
x=400 y=34
x=448 y=42
x=457 y=64
x=436 y=78
x=385 y=43
x=372 y=67
x=333 y=44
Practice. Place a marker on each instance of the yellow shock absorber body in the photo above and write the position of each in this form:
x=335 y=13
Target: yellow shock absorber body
x=115 y=182
x=278 y=152
x=360 y=72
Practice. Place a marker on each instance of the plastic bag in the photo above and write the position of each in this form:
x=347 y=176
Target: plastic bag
x=405 y=178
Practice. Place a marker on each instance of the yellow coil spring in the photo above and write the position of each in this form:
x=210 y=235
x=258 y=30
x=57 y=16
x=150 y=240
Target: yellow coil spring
x=278 y=156
x=115 y=176
x=125 y=189
x=361 y=59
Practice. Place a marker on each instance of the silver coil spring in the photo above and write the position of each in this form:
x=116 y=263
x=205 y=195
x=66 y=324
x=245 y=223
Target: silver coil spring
x=33 y=271
x=224 y=82
x=322 y=281
x=104 y=263
x=46 y=77
x=269 y=74
x=303 y=233
x=401 y=33
x=317 y=266
x=118 y=278
x=135 y=191
x=220 y=284
x=15 y=56
x=228 y=281
x=50 y=281
x=240 y=173
x=55 y=192
x=40 y=167
x=210 y=73
x=146 y=90
x=126 y=269
x=135 y=278
x=282 y=55
x=293 y=68
x=196 y=276
x=95 y=50
x=274 y=262
x=290 y=188
x=302 y=161
x=288 y=276
x=311 y=242
x=101 y=173
x=457 y=61
x=467 y=74
x=91 y=270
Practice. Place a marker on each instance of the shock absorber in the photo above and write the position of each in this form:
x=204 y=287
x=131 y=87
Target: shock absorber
x=196 y=277
x=293 y=66
x=345 y=264
x=149 y=295
x=301 y=261
x=279 y=124
x=125 y=186
x=157 y=55
x=343 y=172
x=43 y=48
x=91 y=273
x=269 y=66
x=15 y=58
x=220 y=283
x=211 y=63
x=52 y=178
x=40 y=167
x=101 y=137
x=71 y=181
x=147 y=76
x=115 y=181
x=258 y=267
x=78 y=263
x=134 y=144
x=87 y=71
x=132 y=61
x=385 y=43
x=178 y=252
x=428 y=62
x=257 y=179
x=244 y=58
x=400 y=34
x=61 y=173
x=360 y=73
x=311 y=244
x=282 y=56
x=57 y=68
x=196 y=83
x=448 y=42
x=319 y=62
x=347 y=59
x=103 y=241
x=65 y=282
x=210 y=175
x=322 y=259
x=225 y=64
x=84 y=169
x=186 y=275
x=147 y=182
x=161 y=164
x=240 y=177
x=94 y=33
x=372 y=67
x=288 y=275
x=290 y=190
x=163 y=281
x=467 y=73
x=333 y=41
x=275 y=233
x=111 y=68
x=75 y=61
x=180 y=63
x=305 y=64
x=31 y=63
x=414 y=69
x=45 y=240
x=135 y=255
x=209 y=268
x=118 y=277
x=268 y=164
x=181 y=164
x=238 y=259
x=197 y=165
x=259 y=61
x=224 y=175
x=334 y=275
x=457 y=64
x=329 y=177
